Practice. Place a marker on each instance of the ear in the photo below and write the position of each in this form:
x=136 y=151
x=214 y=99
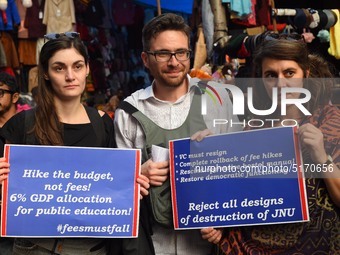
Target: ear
x=46 y=76
x=87 y=70
x=15 y=97
x=145 y=59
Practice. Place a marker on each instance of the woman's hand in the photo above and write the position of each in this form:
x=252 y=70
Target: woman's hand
x=311 y=139
x=211 y=234
x=144 y=185
x=4 y=169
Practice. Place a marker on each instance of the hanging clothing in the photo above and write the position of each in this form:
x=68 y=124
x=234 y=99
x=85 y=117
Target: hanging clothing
x=26 y=51
x=59 y=16
x=240 y=8
x=208 y=26
x=94 y=13
x=243 y=12
x=3 y=60
x=34 y=19
x=22 y=32
x=334 y=33
x=123 y=12
x=10 y=17
x=107 y=17
x=10 y=50
x=263 y=12
x=40 y=44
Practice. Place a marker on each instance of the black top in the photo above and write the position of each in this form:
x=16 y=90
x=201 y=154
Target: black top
x=2 y=143
x=81 y=135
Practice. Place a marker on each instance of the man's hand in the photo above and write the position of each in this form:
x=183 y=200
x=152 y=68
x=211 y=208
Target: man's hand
x=157 y=172
x=199 y=135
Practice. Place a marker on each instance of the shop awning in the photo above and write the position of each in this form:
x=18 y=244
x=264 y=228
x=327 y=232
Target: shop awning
x=183 y=6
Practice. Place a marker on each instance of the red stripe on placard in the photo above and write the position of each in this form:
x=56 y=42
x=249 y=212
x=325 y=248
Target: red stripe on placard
x=136 y=196
x=4 y=197
x=173 y=184
x=301 y=179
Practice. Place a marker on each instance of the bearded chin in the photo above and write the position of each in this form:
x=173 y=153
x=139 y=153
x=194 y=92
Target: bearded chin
x=4 y=109
x=173 y=83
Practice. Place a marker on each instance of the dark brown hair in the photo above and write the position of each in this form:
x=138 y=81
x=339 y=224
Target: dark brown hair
x=161 y=23
x=319 y=80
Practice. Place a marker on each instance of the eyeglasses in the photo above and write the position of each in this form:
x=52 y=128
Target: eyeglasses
x=289 y=37
x=3 y=91
x=53 y=36
x=165 y=56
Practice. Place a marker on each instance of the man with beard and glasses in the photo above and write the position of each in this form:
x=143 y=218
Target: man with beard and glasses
x=9 y=96
x=168 y=109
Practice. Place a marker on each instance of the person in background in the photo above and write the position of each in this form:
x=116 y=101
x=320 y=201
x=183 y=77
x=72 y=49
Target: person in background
x=9 y=96
x=168 y=107
x=60 y=119
x=120 y=94
x=111 y=106
x=279 y=63
x=34 y=92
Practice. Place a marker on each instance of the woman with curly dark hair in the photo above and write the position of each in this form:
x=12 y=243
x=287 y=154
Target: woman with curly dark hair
x=284 y=63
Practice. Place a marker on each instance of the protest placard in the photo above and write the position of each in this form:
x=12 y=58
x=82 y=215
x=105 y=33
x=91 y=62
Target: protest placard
x=238 y=179
x=56 y=191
